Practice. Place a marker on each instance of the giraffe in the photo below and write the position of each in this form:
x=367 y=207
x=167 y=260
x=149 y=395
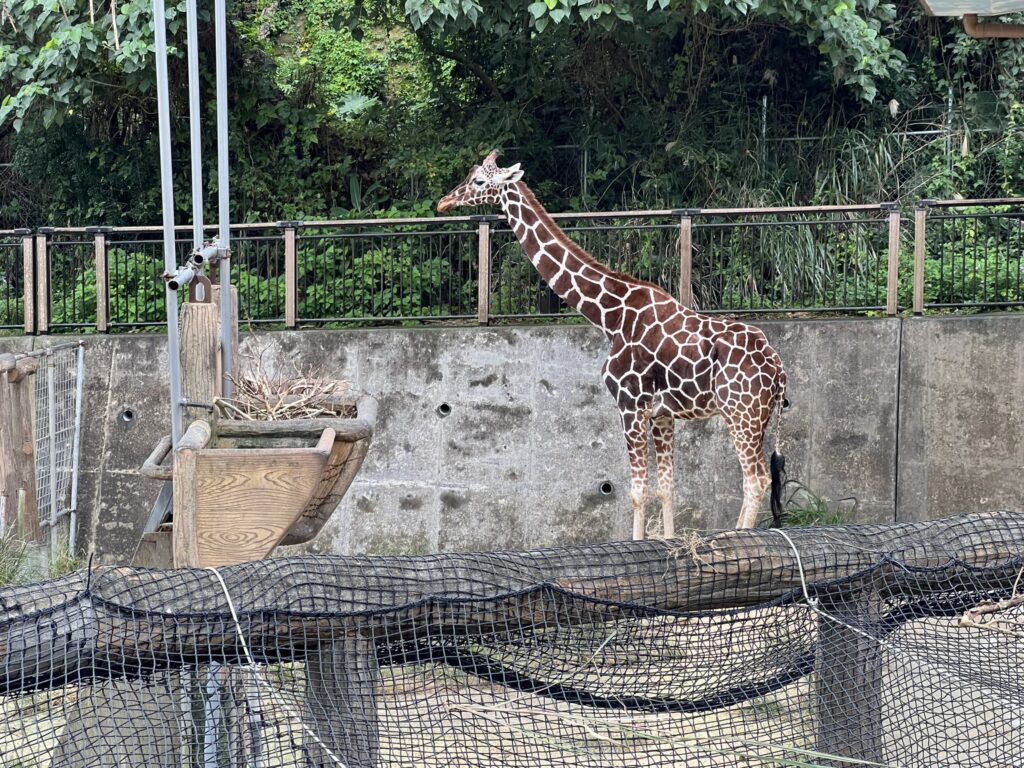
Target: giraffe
x=666 y=361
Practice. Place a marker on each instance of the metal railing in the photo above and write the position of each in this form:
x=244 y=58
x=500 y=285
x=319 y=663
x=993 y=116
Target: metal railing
x=842 y=259
x=968 y=254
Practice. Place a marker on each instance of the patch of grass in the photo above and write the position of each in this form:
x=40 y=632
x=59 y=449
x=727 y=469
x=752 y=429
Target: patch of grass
x=13 y=559
x=802 y=507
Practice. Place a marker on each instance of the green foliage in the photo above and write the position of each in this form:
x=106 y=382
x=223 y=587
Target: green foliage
x=805 y=507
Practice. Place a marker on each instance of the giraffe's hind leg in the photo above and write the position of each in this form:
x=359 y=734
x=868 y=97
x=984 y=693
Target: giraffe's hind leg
x=635 y=425
x=747 y=430
x=663 y=432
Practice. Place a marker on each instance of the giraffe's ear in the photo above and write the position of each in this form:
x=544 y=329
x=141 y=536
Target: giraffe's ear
x=510 y=175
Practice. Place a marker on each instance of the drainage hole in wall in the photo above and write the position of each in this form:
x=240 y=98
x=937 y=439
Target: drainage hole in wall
x=606 y=488
x=443 y=410
x=127 y=415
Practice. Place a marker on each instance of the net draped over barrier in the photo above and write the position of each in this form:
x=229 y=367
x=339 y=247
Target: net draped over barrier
x=896 y=645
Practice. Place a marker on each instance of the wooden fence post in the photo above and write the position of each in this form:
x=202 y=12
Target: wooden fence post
x=892 y=305
x=99 y=238
x=920 y=218
x=483 y=293
x=291 y=272
x=849 y=667
x=43 y=280
x=28 y=285
x=686 y=254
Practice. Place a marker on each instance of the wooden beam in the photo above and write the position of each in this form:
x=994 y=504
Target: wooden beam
x=186 y=544
x=126 y=623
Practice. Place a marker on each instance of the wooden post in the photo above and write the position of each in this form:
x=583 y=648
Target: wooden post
x=42 y=280
x=186 y=541
x=342 y=678
x=686 y=254
x=200 y=358
x=920 y=217
x=892 y=283
x=849 y=686
x=483 y=293
x=99 y=236
x=17 y=449
x=291 y=273
x=28 y=287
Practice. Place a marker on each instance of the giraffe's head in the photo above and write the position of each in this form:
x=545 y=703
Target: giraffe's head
x=482 y=186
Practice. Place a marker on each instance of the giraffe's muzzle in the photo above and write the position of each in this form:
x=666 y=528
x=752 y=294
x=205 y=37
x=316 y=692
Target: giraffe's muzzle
x=445 y=205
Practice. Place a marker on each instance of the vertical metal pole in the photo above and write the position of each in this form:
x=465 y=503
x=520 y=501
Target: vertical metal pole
x=224 y=198
x=76 y=450
x=167 y=196
x=51 y=448
x=195 y=119
x=892 y=281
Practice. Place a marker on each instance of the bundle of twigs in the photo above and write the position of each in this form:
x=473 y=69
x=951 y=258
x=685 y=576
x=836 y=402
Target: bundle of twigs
x=261 y=396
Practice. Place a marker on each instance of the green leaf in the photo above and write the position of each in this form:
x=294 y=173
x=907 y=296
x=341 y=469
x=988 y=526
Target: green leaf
x=537 y=9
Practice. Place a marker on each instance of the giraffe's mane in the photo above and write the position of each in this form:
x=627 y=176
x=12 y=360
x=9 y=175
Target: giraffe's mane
x=575 y=248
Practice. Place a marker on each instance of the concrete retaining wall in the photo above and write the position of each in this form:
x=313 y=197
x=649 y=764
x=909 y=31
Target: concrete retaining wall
x=916 y=418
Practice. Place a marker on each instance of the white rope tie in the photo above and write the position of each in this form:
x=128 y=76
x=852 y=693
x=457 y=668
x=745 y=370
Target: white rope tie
x=259 y=680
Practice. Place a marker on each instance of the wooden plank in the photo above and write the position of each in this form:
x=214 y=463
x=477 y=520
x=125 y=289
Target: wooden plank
x=920 y=218
x=291 y=272
x=186 y=545
x=892 y=283
x=980 y=7
x=200 y=358
x=42 y=272
x=17 y=448
x=686 y=261
x=102 y=287
x=246 y=499
x=28 y=260
x=483 y=293
x=346 y=429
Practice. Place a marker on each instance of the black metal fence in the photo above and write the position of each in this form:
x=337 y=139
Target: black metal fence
x=862 y=259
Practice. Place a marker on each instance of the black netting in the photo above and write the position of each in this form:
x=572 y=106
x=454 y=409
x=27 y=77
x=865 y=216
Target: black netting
x=894 y=645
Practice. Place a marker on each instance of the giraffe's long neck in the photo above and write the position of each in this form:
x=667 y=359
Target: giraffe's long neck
x=572 y=273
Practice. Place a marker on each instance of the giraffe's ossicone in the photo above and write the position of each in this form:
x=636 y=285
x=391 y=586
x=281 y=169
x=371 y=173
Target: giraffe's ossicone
x=666 y=362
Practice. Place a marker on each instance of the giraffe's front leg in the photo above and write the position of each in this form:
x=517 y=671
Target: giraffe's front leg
x=663 y=432
x=635 y=425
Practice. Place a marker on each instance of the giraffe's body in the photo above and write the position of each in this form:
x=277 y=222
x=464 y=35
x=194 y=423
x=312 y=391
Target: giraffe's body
x=666 y=362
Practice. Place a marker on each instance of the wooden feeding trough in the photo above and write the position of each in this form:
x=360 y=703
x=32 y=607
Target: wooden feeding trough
x=241 y=488
x=234 y=489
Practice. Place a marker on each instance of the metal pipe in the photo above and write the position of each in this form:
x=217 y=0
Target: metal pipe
x=224 y=200
x=203 y=255
x=195 y=122
x=180 y=278
x=167 y=198
x=984 y=31
x=51 y=448
x=76 y=450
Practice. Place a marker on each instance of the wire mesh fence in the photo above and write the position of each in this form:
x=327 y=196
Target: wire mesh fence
x=846 y=645
x=57 y=404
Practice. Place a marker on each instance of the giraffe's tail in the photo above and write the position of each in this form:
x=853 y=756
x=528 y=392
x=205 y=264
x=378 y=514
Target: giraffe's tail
x=777 y=464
